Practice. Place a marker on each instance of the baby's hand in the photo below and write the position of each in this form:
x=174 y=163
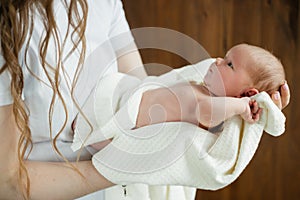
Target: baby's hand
x=252 y=111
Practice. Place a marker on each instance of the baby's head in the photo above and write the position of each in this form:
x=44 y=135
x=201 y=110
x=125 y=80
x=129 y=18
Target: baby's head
x=265 y=70
x=245 y=71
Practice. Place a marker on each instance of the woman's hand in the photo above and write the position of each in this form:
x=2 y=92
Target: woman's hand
x=282 y=98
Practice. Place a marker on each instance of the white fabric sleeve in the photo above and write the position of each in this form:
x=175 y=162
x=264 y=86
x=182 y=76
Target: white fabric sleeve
x=5 y=94
x=5 y=82
x=5 y=79
x=120 y=34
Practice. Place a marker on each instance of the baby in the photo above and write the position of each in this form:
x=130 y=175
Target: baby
x=245 y=71
x=225 y=91
x=155 y=154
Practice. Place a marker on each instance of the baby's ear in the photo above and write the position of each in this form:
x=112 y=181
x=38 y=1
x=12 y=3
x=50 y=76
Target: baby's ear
x=249 y=92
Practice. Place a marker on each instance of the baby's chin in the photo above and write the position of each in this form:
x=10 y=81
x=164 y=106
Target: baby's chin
x=214 y=91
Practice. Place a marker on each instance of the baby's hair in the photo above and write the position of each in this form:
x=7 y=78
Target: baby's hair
x=266 y=71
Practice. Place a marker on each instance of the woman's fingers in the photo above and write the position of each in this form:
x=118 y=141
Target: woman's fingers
x=282 y=98
x=277 y=99
x=285 y=95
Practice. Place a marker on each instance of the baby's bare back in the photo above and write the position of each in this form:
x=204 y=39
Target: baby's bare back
x=175 y=103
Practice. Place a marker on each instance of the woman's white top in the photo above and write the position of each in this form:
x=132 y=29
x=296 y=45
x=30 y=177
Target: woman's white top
x=106 y=21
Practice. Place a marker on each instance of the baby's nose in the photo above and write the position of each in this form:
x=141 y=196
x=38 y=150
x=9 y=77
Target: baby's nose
x=219 y=61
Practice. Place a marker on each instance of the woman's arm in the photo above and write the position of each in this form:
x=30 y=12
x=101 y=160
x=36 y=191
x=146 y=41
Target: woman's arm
x=57 y=180
x=8 y=154
x=50 y=180
x=131 y=62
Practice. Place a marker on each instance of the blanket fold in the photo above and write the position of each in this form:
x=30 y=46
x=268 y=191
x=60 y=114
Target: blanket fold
x=172 y=153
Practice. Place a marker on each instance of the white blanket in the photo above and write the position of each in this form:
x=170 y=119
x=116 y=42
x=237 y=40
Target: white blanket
x=172 y=153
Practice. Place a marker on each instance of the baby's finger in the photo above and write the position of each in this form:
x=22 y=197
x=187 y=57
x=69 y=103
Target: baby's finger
x=254 y=107
x=257 y=115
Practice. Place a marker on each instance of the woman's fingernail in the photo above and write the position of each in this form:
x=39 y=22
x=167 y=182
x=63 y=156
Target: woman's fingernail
x=276 y=95
x=285 y=87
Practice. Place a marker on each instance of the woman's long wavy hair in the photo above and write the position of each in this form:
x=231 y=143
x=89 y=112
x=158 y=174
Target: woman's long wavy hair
x=16 y=27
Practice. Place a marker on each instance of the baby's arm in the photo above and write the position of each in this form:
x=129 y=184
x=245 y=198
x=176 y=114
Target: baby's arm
x=214 y=110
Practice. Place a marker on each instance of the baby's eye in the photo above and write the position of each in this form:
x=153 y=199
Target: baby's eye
x=229 y=64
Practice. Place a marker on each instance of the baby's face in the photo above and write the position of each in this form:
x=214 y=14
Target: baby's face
x=228 y=76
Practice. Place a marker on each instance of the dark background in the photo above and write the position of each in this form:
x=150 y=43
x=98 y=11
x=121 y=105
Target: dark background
x=274 y=172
